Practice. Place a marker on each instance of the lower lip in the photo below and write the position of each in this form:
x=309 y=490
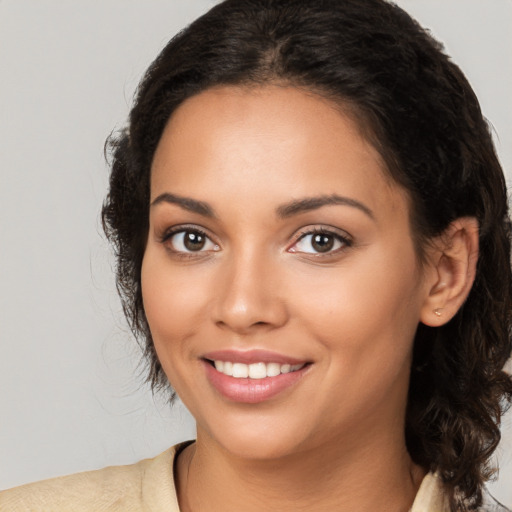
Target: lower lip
x=252 y=391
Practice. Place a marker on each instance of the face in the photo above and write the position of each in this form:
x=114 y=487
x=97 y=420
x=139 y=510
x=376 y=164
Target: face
x=280 y=253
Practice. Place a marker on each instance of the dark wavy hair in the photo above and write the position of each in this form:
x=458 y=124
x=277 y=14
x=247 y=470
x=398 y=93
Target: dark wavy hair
x=417 y=108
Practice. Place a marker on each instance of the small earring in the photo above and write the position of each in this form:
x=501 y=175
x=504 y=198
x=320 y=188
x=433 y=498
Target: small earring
x=437 y=311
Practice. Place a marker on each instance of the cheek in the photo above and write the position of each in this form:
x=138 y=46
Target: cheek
x=173 y=298
x=371 y=304
x=364 y=318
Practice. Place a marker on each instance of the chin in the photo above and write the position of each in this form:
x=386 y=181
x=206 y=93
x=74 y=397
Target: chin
x=261 y=440
x=258 y=448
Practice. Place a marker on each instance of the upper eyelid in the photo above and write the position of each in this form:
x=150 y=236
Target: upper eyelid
x=323 y=229
x=173 y=230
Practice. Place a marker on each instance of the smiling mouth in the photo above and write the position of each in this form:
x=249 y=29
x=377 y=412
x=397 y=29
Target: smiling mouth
x=253 y=376
x=259 y=370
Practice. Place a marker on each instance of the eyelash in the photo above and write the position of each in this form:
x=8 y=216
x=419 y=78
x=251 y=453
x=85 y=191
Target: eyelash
x=345 y=241
x=167 y=236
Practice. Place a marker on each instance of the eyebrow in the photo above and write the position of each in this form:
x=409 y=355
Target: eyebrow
x=284 y=211
x=187 y=203
x=313 y=203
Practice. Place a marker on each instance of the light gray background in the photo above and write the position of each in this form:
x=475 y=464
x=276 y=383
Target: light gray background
x=71 y=397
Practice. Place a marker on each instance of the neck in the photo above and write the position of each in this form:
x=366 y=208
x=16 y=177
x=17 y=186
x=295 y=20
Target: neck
x=367 y=474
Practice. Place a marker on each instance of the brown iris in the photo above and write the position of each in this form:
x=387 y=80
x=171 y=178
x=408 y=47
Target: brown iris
x=194 y=241
x=322 y=242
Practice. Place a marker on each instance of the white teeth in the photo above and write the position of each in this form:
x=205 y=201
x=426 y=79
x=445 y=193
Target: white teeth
x=240 y=370
x=254 y=370
x=257 y=371
x=228 y=368
x=273 y=369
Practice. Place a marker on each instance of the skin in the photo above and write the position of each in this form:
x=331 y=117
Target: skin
x=334 y=440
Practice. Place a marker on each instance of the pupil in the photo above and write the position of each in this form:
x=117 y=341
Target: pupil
x=194 y=241
x=323 y=243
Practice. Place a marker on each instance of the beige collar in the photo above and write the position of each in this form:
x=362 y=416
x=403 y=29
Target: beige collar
x=430 y=497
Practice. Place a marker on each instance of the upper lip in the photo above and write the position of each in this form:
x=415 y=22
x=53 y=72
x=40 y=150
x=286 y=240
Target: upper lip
x=251 y=356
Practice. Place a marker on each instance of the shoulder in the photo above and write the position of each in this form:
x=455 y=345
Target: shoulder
x=147 y=483
x=100 y=490
x=431 y=496
x=489 y=504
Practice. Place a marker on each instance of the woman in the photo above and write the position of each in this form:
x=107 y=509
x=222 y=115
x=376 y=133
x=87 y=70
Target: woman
x=313 y=243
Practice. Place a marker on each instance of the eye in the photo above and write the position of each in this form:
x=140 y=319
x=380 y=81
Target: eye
x=320 y=241
x=189 y=240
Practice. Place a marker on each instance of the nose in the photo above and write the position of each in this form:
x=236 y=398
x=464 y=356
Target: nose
x=249 y=297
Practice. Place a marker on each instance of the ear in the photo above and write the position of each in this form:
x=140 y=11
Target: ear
x=451 y=272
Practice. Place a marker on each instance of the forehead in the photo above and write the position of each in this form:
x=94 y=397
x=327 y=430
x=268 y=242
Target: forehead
x=273 y=142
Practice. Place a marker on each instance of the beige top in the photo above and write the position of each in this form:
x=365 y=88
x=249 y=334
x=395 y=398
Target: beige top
x=147 y=486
